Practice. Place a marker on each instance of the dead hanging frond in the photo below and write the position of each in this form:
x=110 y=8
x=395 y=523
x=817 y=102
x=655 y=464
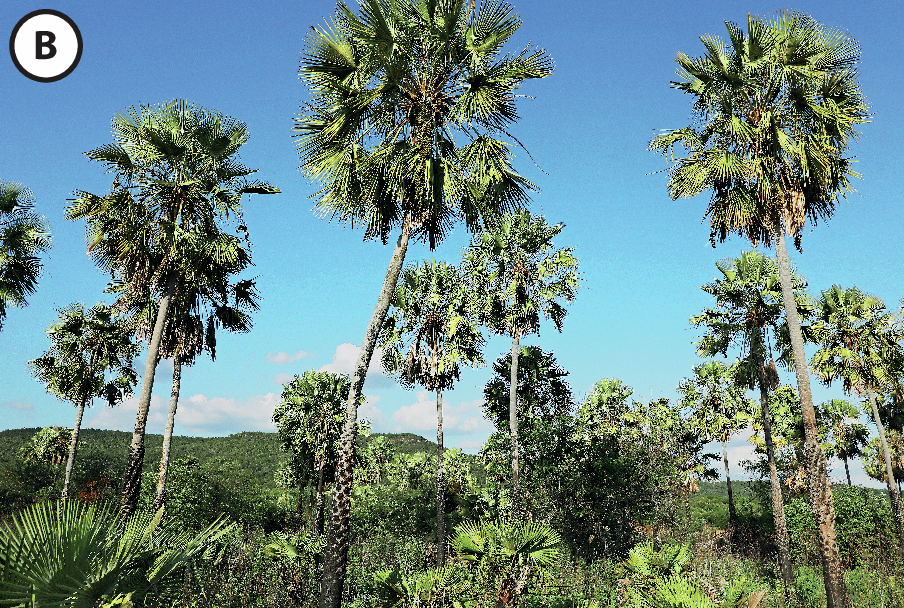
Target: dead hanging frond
x=771 y=375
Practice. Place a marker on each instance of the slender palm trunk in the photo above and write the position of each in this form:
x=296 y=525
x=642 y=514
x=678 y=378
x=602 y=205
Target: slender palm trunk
x=336 y=551
x=299 y=506
x=893 y=492
x=73 y=443
x=160 y=498
x=131 y=483
x=847 y=471
x=732 y=514
x=513 y=427
x=817 y=469
x=440 y=485
x=319 y=504
x=778 y=504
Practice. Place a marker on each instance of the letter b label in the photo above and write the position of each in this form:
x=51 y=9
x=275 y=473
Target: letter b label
x=45 y=45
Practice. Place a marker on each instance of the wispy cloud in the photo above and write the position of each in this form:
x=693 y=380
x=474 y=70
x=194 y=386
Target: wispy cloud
x=16 y=405
x=283 y=358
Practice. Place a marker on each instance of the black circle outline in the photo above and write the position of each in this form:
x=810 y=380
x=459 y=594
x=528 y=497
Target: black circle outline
x=55 y=13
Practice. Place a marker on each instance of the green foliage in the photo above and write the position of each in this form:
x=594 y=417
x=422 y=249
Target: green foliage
x=23 y=236
x=432 y=588
x=863 y=524
x=78 y=557
x=199 y=493
x=48 y=446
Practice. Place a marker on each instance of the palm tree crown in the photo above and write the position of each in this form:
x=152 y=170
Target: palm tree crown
x=778 y=107
x=23 y=235
x=408 y=101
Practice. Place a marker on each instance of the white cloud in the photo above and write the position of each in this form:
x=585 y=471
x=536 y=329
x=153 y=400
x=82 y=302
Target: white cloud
x=346 y=357
x=370 y=411
x=283 y=358
x=466 y=418
x=282 y=378
x=197 y=416
x=17 y=405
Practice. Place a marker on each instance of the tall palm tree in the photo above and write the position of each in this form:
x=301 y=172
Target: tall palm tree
x=176 y=179
x=309 y=423
x=748 y=312
x=23 y=235
x=778 y=107
x=856 y=336
x=848 y=436
x=720 y=408
x=85 y=347
x=519 y=276
x=427 y=336
x=408 y=128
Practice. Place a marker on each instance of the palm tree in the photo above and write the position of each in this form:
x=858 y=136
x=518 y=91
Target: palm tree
x=848 y=436
x=545 y=408
x=519 y=276
x=196 y=311
x=175 y=176
x=749 y=309
x=309 y=423
x=719 y=406
x=427 y=336
x=85 y=346
x=408 y=128
x=778 y=107
x=23 y=235
x=856 y=337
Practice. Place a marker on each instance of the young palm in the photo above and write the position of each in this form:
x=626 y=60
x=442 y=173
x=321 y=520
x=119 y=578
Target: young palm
x=176 y=179
x=849 y=437
x=778 y=107
x=749 y=309
x=23 y=235
x=309 y=422
x=857 y=339
x=427 y=336
x=90 y=356
x=407 y=129
x=518 y=277
x=720 y=408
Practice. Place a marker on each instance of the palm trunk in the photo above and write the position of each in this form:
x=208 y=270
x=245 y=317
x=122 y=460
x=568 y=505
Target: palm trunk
x=778 y=504
x=319 y=504
x=336 y=551
x=131 y=483
x=847 y=471
x=513 y=427
x=817 y=469
x=299 y=506
x=893 y=492
x=440 y=485
x=732 y=514
x=160 y=498
x=73 y=443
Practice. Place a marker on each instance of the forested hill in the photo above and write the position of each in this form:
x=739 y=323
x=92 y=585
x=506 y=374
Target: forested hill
x=253 y=455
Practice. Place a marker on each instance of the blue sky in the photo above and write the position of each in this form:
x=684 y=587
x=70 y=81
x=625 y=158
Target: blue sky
x=643 y=256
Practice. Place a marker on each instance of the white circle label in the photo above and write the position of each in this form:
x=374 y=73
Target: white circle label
x=45 y=45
